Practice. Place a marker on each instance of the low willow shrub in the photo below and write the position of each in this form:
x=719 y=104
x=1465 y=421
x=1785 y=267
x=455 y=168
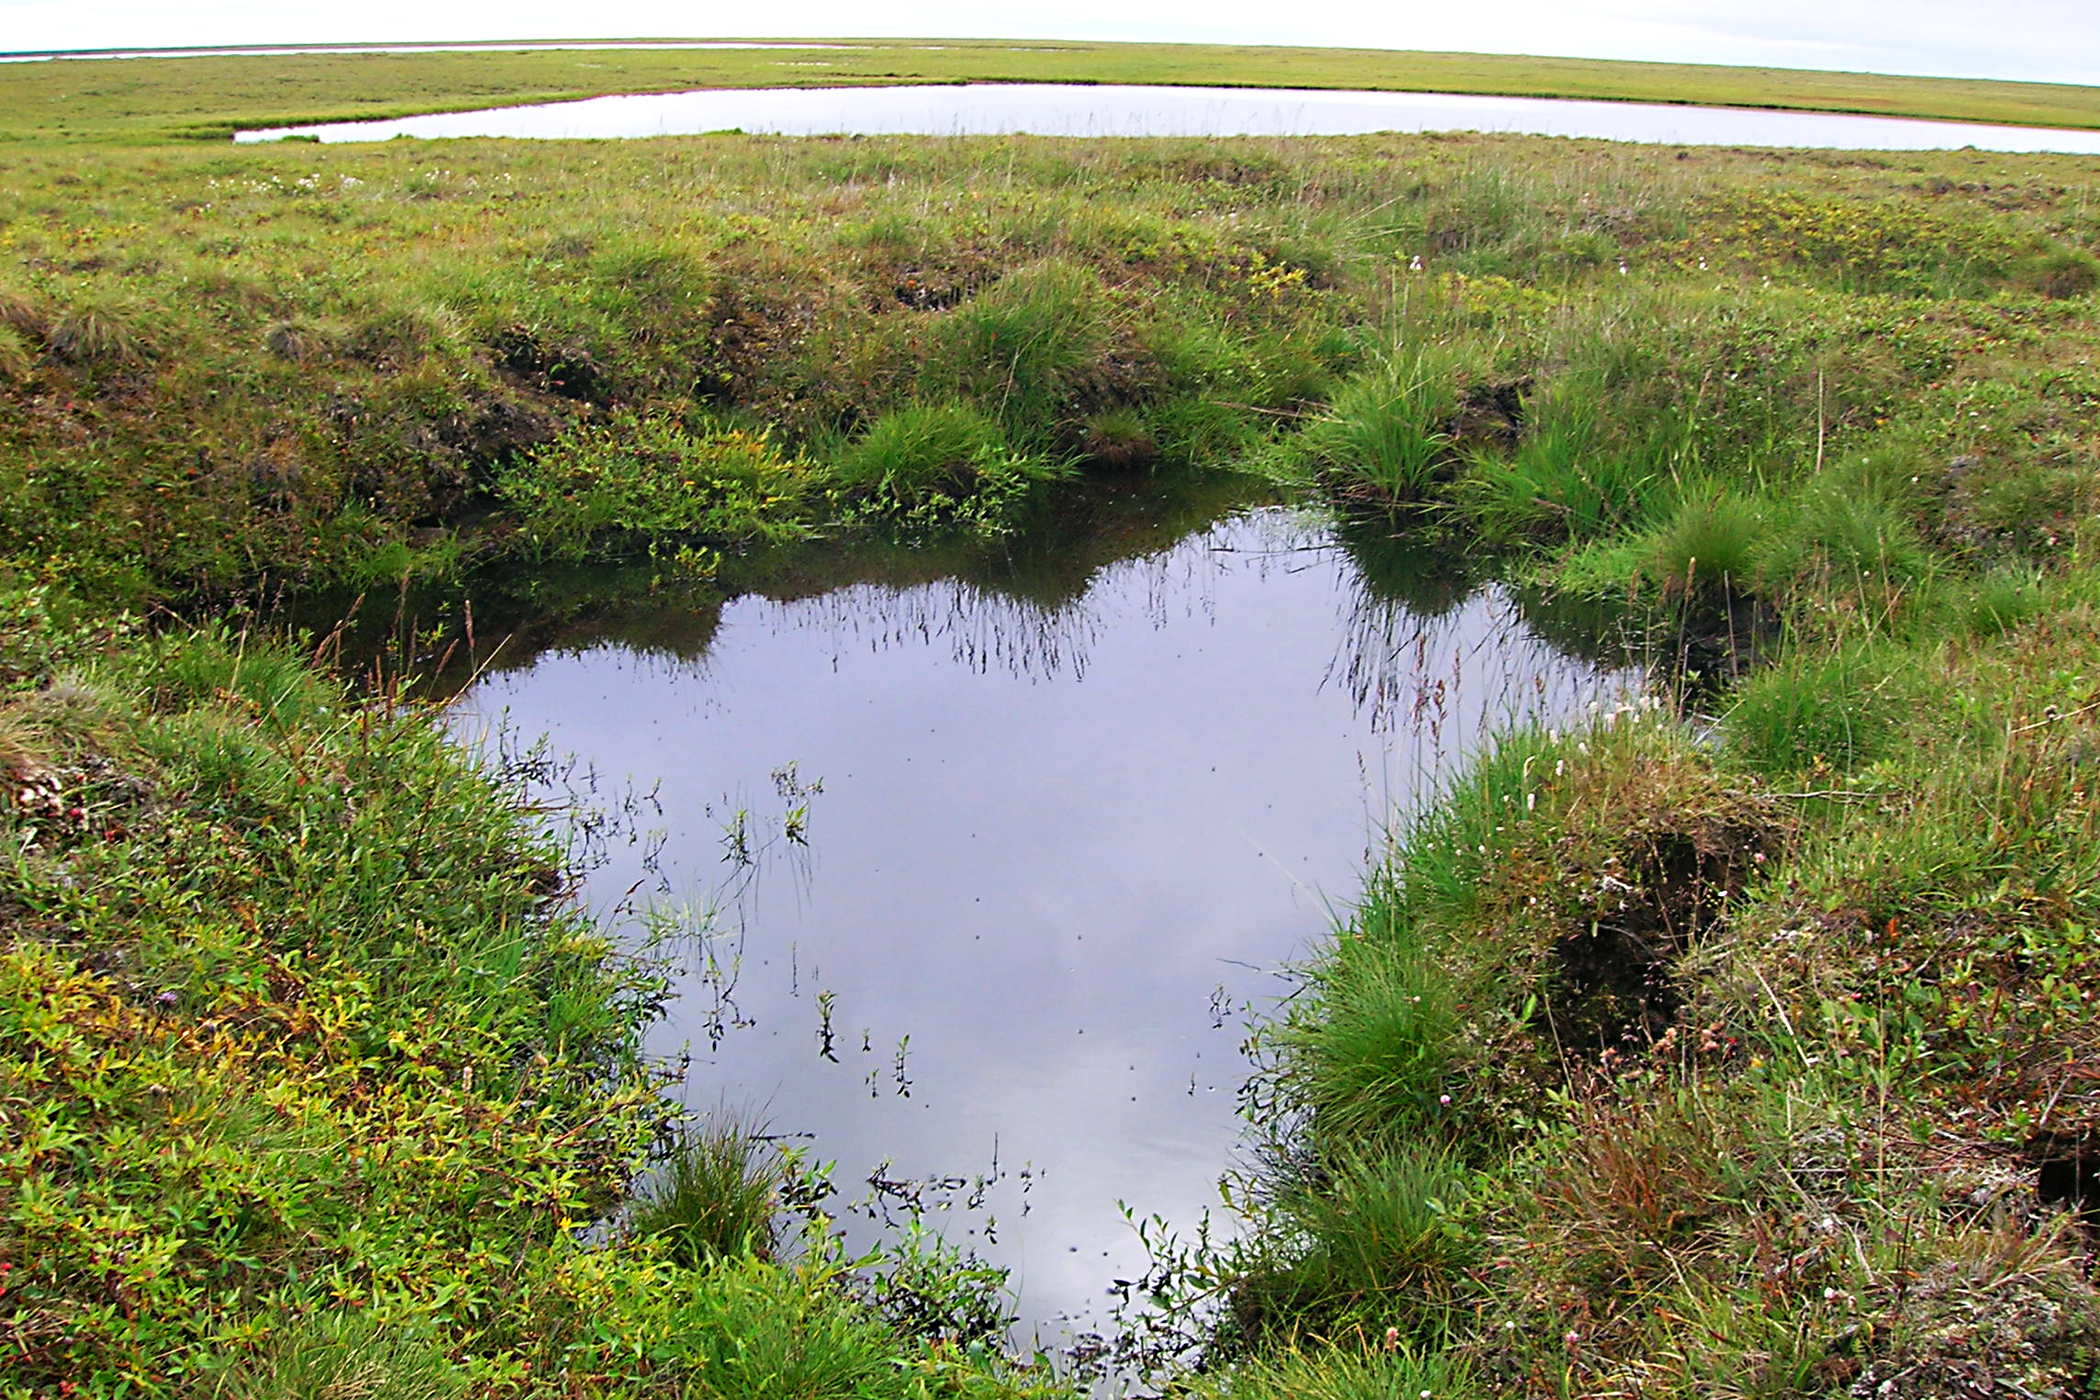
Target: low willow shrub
x=603 y=489
x=315 y=1089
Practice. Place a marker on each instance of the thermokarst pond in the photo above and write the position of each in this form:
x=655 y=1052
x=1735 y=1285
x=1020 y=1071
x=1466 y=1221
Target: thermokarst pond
x=981 y=873
x=972 y=849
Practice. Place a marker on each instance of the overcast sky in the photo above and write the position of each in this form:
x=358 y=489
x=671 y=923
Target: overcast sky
x=2049 y=40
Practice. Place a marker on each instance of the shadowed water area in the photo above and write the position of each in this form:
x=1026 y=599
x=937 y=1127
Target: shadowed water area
x=1063 y=109
x=978 y=865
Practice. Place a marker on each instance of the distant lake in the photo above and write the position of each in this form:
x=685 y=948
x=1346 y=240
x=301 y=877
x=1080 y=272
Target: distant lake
x=1067 y=109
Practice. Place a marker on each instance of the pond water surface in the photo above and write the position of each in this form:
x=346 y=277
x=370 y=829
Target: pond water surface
x=1060 y=109
x=999 y=861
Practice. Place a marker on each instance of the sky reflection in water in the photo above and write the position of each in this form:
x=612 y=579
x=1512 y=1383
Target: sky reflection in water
x=1059 y=847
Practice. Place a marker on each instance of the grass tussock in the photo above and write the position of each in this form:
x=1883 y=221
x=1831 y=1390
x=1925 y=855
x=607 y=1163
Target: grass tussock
x=1385 y=433
x=715 y=1195
x=17 y=356
x=337 y=1355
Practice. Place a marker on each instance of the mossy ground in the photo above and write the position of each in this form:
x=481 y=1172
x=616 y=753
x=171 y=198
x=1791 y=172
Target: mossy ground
x=1734 y=1043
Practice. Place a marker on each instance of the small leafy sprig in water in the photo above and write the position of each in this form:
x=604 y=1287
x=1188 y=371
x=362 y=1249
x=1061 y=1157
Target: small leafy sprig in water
x=898 y=1074
x=1164 y=1322
x=751 y=840
x=788 y=785
x=827 y=1002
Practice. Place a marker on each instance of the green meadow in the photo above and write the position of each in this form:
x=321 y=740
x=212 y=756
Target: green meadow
x=148 y=100
x=1736 y=1041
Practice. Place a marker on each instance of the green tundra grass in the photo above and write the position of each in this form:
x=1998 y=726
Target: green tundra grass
x=1734 y=1042
x=146 y=100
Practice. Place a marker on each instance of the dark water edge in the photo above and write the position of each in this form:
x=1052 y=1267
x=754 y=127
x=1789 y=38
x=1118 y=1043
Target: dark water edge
x=437 y=638
x=974 y=861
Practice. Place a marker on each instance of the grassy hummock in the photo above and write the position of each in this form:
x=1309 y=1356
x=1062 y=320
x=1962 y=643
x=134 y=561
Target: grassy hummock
x=346 y=366
x=1658 y=1063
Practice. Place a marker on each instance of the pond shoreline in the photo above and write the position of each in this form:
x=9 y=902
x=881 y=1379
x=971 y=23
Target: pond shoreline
x=1068 y=938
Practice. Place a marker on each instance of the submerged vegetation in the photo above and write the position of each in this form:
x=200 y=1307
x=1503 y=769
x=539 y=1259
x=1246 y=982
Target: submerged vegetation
x=1734 y=1042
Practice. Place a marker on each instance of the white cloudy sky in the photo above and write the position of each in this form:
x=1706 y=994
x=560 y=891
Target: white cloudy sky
x=2049 y=40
